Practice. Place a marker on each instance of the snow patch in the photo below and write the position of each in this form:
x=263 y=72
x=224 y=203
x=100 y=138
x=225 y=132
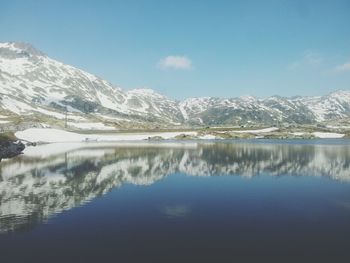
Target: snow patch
x=90 y=125
x=207 y=137
x=183 y=111
x=328 y=135
x=55 y=135
x=298 y=133
x=271 y=129
x=338 y=127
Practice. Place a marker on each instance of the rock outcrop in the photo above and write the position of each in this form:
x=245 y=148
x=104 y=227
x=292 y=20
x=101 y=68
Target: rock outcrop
x=9 y=149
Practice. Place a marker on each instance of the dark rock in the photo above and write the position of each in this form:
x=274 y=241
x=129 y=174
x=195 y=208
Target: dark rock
x=9 y=149
x=155 y=138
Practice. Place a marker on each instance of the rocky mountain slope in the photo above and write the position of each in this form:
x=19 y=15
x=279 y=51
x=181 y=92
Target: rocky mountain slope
x=272 y=110
x=36 y=87
x=36 y=90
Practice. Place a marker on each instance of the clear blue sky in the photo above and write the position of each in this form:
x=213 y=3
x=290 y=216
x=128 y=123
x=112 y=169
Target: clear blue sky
x=193 y=48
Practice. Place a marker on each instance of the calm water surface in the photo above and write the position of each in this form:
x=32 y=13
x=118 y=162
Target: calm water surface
x=177 y=202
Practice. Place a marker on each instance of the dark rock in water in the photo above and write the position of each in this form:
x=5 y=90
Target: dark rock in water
x=9 y=149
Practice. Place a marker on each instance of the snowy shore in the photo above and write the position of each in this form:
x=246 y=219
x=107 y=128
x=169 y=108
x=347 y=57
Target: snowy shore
x=49 y=135
x=55 y=135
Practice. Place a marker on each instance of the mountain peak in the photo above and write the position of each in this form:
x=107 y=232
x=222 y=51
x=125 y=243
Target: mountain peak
x=340 y=93
x=247 y=98
x=22 y=47
x=145 y=91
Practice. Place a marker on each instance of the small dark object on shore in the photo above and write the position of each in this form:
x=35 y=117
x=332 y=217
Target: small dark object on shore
x=155 y=138
x=9 y=149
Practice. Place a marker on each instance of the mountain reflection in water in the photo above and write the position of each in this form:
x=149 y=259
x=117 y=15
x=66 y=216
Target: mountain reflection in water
x=43 y=182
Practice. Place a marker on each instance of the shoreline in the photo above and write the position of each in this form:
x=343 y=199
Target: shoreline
x=43 y=150
x=40 y=148
x=49 y=135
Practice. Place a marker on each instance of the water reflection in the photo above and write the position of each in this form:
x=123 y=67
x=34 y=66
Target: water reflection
x=176 y=211
x=47 y=180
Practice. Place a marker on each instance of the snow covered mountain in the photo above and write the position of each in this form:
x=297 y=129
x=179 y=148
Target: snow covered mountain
x=38 y=90
x=34 y=86
x=272 y=110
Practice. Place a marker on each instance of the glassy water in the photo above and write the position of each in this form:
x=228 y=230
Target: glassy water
x=176 y=202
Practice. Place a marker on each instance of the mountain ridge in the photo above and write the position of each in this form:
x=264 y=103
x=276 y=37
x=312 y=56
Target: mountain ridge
x=36 y=88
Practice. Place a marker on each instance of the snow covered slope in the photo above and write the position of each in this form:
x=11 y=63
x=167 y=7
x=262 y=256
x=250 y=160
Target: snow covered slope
x=38 y=90
x=272 y=110
x=33 y=84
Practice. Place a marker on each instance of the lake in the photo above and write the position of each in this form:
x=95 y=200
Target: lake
x=177 y=202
